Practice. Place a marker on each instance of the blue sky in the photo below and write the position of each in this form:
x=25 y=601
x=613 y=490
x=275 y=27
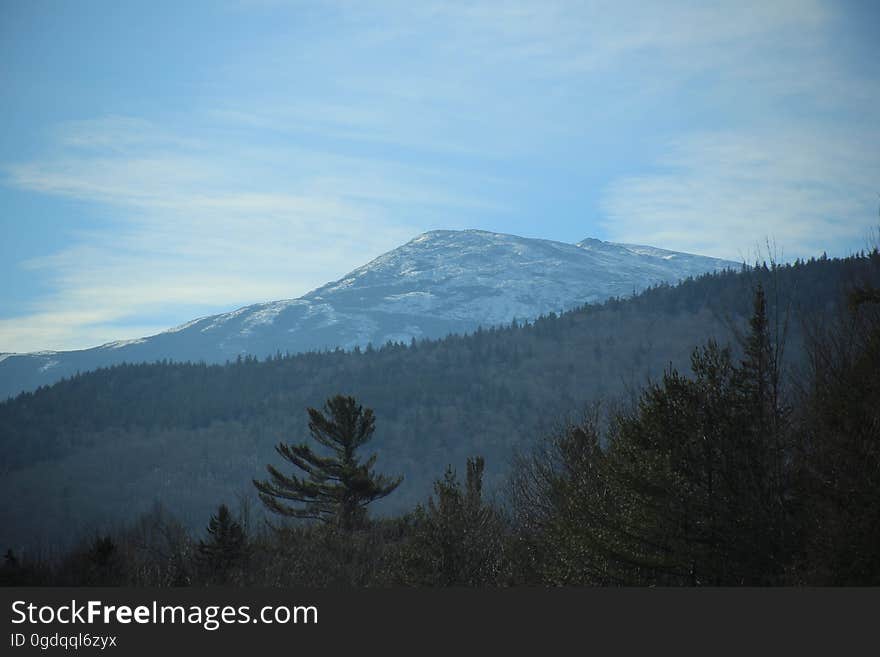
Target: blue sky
x=165 y=160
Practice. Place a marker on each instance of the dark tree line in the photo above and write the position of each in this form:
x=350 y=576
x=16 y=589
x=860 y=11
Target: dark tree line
x=717 y=478
x=748 y=469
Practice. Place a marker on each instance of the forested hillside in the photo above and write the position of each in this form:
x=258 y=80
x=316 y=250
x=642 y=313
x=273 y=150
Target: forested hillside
x=94 y=451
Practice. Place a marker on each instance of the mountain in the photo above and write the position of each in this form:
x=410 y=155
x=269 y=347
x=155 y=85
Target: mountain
x=441 y=282
x=93 y=452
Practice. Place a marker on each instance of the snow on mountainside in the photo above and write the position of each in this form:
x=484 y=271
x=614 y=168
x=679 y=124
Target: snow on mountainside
x=440 y=282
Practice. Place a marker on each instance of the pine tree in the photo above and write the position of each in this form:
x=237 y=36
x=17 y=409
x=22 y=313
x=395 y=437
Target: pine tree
x=458 y=539
x=226 y=547
x=690 y=487
x=760 y=369
x=336 y=488
x=763 y=445
x=841 y=464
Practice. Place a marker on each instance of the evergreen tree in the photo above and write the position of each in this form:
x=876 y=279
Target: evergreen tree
x=840 y=469
x=458 y=539
x=703 y=469
x=225 y=548
x=758 y=366
x=336 y=488
x=562 y=504
x=103 y=564
x=765 y=455
x=690 y=487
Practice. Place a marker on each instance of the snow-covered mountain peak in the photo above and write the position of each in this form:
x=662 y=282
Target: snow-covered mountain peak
x=440 y=282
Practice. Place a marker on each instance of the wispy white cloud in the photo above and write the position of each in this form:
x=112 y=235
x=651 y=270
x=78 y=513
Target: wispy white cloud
x=118 y=134
x=190 y=226
x=721 y=194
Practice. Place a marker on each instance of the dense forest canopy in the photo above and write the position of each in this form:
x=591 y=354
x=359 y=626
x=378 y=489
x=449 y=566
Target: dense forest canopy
x=90 y=452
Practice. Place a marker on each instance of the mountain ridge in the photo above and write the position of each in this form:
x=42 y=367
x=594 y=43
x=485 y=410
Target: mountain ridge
x=438 y=283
